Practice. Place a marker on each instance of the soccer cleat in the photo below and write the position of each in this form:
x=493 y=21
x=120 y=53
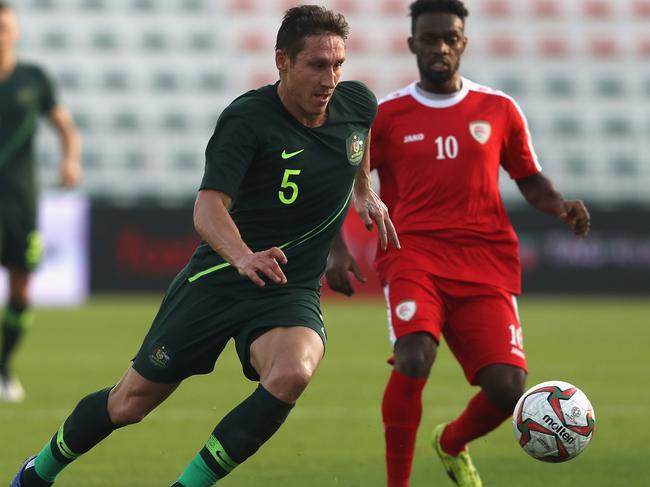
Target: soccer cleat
x=17 y=481
x=460 y=468
x=11 y=390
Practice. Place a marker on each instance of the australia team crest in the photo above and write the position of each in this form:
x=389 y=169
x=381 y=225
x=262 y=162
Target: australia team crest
x=480 y=130
x=354 y=146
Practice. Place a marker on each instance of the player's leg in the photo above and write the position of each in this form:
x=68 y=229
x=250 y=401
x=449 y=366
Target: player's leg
x=94 y=418
x=485 y=336
x=415 y=315
x=14 y=324
x=285 y=360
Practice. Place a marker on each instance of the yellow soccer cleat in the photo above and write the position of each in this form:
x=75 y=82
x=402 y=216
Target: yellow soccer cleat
x=460 y=468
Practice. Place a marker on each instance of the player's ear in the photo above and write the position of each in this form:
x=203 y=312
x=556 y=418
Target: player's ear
x=281 y=60
x=410 y=42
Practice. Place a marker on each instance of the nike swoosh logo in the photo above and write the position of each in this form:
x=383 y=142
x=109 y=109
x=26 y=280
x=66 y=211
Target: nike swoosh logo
x=289 y=155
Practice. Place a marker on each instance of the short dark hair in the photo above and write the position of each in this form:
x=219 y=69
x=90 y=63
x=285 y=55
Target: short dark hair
x=5 y=6
x=308 y=20
x=456 y=7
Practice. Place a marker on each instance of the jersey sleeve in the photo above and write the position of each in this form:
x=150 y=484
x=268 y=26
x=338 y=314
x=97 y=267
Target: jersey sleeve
x=48 y=96
x=229 y=153
x=518 y=156
x=378 y=141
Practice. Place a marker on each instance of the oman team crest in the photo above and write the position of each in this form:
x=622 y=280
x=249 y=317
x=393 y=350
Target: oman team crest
x=406 y=310
x=354 y=146
x=480 y=130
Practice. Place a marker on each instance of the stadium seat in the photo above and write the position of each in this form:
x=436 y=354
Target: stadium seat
x=254 y=42
x=55 y=40
x=553 y=47
x=194 y=5
x=82 y=120
x=115 y=80
x=604 y=48
x=616 y=126
x=201 y=41
x=144 y=5
x=641 y=8
x=154 y=41
x=624 y=165
x=496 y=8
x=165 y=81
x=44 y=4
x=610 y=87
x=560 y=86
x=94 y=5
x=394 y=7
x=511 y=85
x=503 y=46
x=546 y=8
x=598 y=8
x=576 y=164
x=644 y=48
x=175 y=122
x=69 y=80
x=104 y=40
x=212 y=81
x=567 y=126
x=242 y=5
x=126 y=121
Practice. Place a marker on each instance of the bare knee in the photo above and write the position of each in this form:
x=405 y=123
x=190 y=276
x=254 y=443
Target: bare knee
x=503 y=385
x=287 y=382
x=415 y=354
x=125 y=408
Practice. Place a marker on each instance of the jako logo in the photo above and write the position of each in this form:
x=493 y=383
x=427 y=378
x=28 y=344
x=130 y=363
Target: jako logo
x=558 y=428
x=413 y=138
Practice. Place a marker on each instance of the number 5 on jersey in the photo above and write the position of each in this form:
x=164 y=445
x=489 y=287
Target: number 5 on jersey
x=289 y=191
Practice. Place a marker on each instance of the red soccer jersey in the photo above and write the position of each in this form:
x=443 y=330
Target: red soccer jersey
x=438 y=162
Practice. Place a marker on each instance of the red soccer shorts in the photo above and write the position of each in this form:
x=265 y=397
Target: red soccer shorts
x=480 y=322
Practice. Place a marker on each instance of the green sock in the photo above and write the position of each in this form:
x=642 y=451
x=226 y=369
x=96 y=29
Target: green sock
x=238 y=436
x=88 y=424
x=15 y=322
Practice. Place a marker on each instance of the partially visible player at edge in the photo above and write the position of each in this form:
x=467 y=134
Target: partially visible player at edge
x=281 y=167
x=437 y=146
x=25 y=93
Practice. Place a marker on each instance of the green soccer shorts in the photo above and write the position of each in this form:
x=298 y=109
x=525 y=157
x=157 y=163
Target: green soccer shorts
x=21 y=246
x=194 y=324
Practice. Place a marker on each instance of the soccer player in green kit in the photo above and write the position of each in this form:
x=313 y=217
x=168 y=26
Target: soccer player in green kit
x=281 y=168
x=25 y=93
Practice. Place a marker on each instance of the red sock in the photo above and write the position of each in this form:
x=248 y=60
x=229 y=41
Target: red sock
x=479 y=418
x=401 y=410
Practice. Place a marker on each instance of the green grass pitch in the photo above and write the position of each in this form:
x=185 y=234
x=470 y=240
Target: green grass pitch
x=334 y=436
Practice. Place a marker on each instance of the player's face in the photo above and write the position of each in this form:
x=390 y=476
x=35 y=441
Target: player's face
x=438 y=43
x=307 y=83
x=8 y=30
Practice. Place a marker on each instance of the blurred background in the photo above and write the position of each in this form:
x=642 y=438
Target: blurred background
x=147 y=79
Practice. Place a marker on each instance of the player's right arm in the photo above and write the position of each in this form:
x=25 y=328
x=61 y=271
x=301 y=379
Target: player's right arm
x=215 y=225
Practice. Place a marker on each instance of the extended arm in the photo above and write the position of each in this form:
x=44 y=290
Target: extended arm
x=540 y=194
x=368 y=204
x=215 y=225
x=70 y=167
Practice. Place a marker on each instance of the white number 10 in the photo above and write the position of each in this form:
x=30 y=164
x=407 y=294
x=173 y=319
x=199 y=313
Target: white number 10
x=447 y=147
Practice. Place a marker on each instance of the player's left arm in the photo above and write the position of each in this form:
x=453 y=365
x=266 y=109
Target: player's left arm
x=340 y=263
x=70 y=167
x=369 y=205
x=542 y=195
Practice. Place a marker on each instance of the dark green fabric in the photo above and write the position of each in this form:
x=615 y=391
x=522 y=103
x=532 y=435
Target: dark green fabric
x=195 y=322
x=244 y=159
x=244 y=430
x=13 y=328
x=24 y=95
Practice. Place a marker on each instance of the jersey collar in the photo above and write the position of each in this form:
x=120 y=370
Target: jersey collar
x=443 y=103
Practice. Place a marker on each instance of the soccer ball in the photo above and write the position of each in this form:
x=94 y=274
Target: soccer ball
x=554 y=421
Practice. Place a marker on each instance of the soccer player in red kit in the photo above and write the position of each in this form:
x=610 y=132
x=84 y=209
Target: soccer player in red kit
x=437 y=145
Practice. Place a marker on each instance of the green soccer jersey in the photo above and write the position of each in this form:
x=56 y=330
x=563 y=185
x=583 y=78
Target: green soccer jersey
x=291 y=185
x=24 y=95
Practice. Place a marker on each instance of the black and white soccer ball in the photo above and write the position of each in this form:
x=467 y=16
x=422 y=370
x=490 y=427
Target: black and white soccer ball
x=554 y=421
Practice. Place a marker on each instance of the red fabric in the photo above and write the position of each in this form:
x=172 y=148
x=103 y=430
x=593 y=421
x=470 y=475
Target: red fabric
x=401 y=411
x=480 y=323
x=479 y=418
x=438 y=168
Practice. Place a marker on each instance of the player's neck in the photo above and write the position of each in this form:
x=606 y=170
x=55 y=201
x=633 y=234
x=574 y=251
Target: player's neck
x=296 y=111
x=450 y=87
x=7 y=64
